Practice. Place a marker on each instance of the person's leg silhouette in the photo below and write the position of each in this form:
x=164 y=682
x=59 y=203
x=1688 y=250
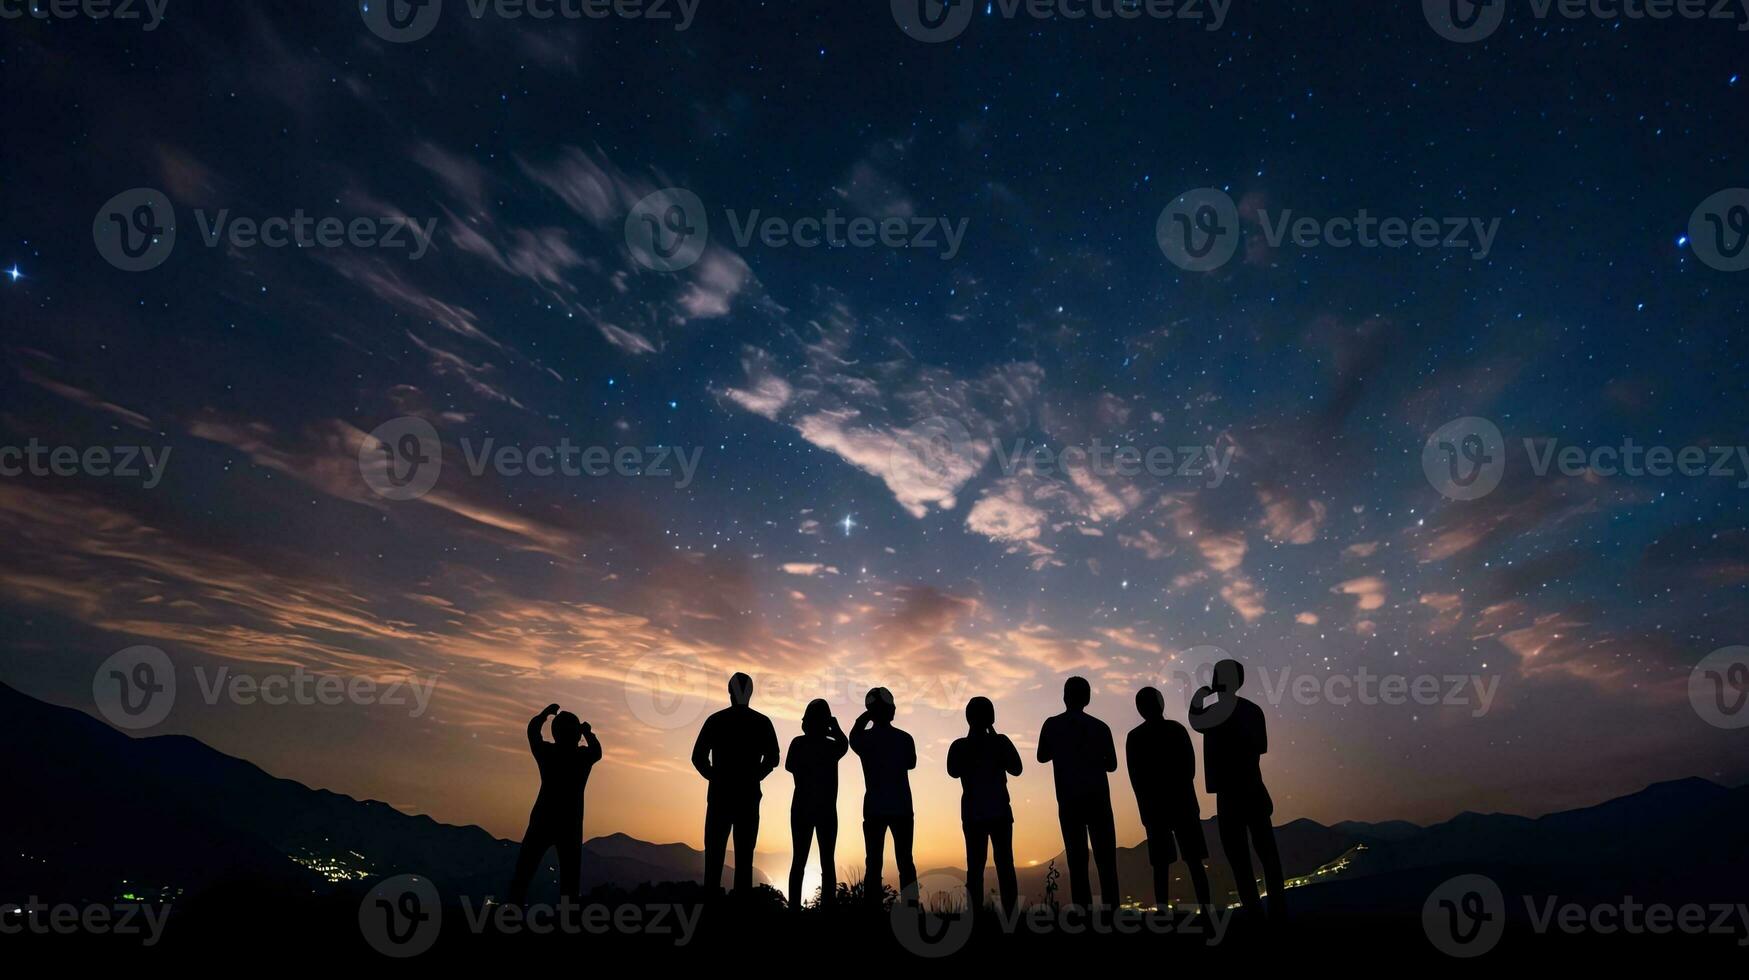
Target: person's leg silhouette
x=903 y=830
x=746 y=838
x=801 y=835
x=828 y=832
x=874 y=839
x=1074 y=824
x=1002 y=842
x=977 y=852
x=1263 y=838
x=534 y=847
x=716 y=842
x=571 y=866
x=1102 y=829
x=1235 y=840
x=1199 y=883
x=1161 y=854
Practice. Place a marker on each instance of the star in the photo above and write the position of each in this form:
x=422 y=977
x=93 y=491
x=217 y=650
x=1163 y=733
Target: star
x=847 y=524
x=13 y=273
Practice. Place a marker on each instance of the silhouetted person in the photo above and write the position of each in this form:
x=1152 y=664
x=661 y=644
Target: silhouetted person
x=557 y=818
x=1162 y=767
x=888 y=756
x=982 y=762
x=1233 y=740
x=1080 y=749
x=736 y=748
x=813 y=759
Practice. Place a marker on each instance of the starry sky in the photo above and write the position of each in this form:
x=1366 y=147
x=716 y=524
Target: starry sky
x=817 y=546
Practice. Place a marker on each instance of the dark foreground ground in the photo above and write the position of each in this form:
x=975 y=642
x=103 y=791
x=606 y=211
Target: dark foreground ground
x=666 y=927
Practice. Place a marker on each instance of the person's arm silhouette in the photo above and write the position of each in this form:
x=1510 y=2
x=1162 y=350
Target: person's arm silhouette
x=1133 y=758
x=1010 y=756
x=534 y=737
x=1047 y=749
x=953 y=758
x=701 y=749
x=859 y=731
x=768 y=752
x=1180 y=756
x=837 y=739
x=1109 y=749
x=789 y=760
x=591 y=745
x=1200 y=720
x=910 y=751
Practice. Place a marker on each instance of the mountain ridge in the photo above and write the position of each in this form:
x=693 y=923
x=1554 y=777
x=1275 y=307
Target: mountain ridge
x=281 y=833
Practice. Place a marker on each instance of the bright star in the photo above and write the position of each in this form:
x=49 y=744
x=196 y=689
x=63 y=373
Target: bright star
x=847 y=524
x=13 y=273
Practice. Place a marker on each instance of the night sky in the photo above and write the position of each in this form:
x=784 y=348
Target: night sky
x=850 y=522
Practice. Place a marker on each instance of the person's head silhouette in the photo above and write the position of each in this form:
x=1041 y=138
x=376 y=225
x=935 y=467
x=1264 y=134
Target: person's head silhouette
x=879 y=704
x=816 y=718
x=1150 y=703
x=740 y=690
x=1229 y=677
x=1077 y=693
x=980 y=715
x=567 y=730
